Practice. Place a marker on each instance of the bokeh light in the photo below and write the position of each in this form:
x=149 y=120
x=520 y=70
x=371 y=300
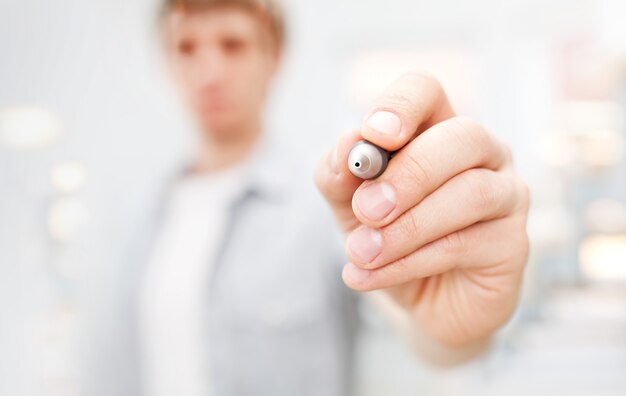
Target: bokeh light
x=29 y=127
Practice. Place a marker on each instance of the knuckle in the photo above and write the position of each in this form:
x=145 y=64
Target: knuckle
x=524 y=244
x=519 y=252
x=522 y=195
x=453 y=244
x=405 y=228
x=482 y=189
x=397 y=269
x=508 y=153
x=418 y=170
x=471 y=134
x=399 y=103
x=405 y=95
x=419 y=77
x=524 y=192
x=515 y=241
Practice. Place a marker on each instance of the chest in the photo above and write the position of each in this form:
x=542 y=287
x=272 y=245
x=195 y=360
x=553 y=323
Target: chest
x=276 y=269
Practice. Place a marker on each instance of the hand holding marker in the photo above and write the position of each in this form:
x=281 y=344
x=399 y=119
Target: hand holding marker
x=449 y=209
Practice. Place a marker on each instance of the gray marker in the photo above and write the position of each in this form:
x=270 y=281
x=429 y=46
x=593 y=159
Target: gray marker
x=368 y=161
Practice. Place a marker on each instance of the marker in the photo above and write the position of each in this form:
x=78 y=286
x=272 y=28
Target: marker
x=368 y=161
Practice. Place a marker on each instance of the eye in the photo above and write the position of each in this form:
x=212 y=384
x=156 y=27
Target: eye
x=233 y=46
x=186 y=47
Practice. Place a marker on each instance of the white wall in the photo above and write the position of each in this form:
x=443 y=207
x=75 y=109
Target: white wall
x=95 y=64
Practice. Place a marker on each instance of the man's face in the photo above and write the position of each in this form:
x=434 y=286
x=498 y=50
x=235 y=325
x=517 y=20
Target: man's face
x=222 y=59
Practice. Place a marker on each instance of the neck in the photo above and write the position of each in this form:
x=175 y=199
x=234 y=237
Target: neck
x=220 y=151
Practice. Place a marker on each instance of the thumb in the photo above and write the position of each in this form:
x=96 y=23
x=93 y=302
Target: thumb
x=335 y=181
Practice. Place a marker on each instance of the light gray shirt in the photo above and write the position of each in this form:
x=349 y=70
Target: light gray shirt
x=173 y=291
x=279 y=320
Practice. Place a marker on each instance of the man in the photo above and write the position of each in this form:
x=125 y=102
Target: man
x=242 y=294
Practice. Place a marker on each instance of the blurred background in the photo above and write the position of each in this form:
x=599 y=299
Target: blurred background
x=89 y=124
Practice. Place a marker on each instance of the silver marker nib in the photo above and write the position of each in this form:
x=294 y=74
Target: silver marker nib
x=367 y=161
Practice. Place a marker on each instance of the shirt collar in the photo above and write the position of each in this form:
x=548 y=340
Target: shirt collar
x=268 y=171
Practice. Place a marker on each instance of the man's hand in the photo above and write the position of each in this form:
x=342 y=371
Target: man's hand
x=443 y=229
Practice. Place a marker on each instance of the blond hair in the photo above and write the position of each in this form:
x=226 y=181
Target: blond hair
x=269 y=10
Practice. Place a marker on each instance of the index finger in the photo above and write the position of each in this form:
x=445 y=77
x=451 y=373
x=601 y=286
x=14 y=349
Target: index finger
x=424 y=165
x=412 y=104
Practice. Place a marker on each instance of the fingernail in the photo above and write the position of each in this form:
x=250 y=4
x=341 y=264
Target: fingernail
x=376 y=201
x=385 y=122
x=355 y=274
x=365 y=244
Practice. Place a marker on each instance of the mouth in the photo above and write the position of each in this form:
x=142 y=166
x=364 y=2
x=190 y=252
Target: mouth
x=213 y=107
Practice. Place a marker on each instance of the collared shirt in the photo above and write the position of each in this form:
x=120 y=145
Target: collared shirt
x=280 y=321
x=173 y=293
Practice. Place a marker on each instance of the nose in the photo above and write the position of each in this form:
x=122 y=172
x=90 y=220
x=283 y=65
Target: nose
x=211 y=67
